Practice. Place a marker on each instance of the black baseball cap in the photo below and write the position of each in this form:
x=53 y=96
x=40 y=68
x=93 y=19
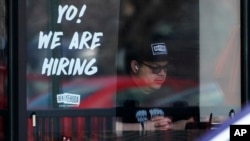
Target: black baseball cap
x=153 y=52
x=149 y=51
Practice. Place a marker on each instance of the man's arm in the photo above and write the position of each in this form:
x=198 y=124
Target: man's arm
x=157 y=123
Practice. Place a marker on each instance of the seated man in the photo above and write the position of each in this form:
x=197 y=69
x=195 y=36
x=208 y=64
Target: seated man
x=147 y=68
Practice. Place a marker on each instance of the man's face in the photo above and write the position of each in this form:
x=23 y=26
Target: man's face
x=153 y=74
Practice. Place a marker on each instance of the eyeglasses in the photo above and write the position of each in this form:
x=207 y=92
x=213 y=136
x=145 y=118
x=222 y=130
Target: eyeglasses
x=157 y=69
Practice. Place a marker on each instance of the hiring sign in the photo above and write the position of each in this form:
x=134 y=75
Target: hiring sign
x=68 y=41
x=79 y=40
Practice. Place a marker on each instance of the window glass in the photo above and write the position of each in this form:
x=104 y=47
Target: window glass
x=220 y=60
x=159 y=44
x=3 y=56
x=3 y=71
x=81 y=54
x=71 y=50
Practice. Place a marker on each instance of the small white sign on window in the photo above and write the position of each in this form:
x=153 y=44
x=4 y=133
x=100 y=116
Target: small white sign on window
x=68 y=98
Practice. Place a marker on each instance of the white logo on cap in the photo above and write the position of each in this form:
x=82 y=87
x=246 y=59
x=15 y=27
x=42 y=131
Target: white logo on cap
x=159 y=48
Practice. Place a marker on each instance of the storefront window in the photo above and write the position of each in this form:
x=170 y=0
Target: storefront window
x=178 y=59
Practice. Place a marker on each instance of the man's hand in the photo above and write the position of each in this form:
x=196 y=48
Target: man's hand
x=159 y=123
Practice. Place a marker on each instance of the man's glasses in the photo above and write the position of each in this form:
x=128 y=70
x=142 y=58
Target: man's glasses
x=155 y=69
